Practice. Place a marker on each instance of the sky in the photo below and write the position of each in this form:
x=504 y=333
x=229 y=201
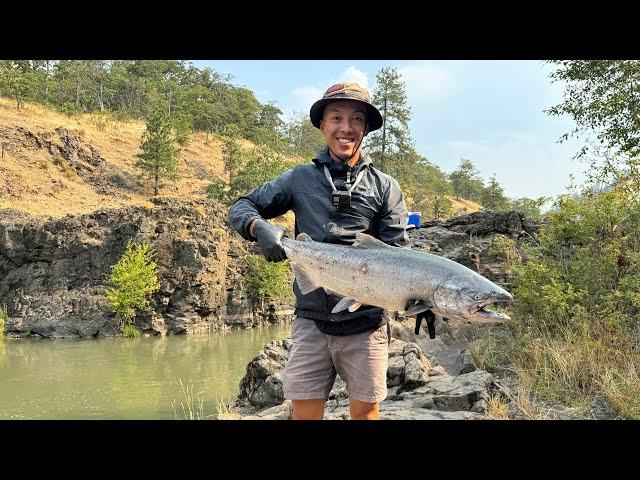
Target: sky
x=489 y=112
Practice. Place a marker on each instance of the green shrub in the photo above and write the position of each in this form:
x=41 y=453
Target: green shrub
x=266 y=279
x=576 y=303
x=3 y=318
x=219 y=191
x=134 y=278
x=130 y=331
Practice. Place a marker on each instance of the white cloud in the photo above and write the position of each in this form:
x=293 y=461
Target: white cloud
x=426 y=83
x=305 y=96
x=353 y=74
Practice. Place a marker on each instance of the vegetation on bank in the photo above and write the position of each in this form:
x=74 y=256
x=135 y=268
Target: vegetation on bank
x=3 y=318
x=575 y=334
x=267 y=279
x=577 y=304
x=133 y=278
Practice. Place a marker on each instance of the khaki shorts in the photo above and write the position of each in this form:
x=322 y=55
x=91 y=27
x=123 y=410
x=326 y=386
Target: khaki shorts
x=361 y=361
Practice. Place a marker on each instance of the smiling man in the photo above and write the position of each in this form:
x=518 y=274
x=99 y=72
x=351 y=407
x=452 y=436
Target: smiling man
x=336 y=196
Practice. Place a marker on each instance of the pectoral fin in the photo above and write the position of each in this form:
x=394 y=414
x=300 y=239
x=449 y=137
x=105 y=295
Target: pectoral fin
x=419 y=306
x=305 y=283
x=355 y=306
x=346 y=303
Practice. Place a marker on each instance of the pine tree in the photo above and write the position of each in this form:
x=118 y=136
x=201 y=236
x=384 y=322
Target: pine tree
x=493 y=196
x=159 y=157
x=466 y=181
x=393 y=140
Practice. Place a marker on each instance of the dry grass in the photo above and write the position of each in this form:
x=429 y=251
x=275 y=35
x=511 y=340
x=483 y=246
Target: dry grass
x=462 y=206
x=498 y=408
x=564 y=370
x=39 y=183
x=621 y=388
x=191 y=407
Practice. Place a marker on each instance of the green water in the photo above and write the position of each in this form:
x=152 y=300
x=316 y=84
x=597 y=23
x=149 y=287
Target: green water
x=126 y=378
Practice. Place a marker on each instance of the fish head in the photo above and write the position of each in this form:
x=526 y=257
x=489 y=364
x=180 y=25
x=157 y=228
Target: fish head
x=468 y=299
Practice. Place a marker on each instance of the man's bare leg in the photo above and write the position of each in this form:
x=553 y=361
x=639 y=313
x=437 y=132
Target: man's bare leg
x=363 y=410
x=308 y=409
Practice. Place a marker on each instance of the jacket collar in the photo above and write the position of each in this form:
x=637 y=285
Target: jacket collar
x=323 y=158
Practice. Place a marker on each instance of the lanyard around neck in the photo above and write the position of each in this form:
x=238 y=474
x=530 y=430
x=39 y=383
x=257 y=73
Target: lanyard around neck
x=358 y=178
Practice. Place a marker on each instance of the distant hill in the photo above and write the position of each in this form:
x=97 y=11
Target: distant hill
x=53 y=164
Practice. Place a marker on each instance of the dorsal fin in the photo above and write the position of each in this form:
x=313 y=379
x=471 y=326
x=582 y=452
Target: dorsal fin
x=303 y=237
x=367 y=241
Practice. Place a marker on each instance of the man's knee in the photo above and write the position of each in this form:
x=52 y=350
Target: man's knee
x=308 y=409
x=363 y=410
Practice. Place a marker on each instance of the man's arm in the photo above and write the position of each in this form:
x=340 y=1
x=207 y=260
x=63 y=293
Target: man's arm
x=392 y=227
x=269 y=200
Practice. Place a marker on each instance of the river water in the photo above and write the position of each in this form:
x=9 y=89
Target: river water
x=175 y=377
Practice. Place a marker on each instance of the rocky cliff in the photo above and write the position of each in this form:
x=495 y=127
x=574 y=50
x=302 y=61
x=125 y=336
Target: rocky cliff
x=53 y=270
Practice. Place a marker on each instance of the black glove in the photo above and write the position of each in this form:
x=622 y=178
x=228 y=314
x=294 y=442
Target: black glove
x=268 y=238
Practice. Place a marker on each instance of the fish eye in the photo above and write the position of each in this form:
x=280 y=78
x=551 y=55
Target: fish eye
x=477 y=296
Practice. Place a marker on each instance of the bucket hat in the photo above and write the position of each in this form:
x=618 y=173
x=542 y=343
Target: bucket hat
x=346 y=91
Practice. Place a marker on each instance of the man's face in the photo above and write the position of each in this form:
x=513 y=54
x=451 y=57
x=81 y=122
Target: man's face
x=343 y=126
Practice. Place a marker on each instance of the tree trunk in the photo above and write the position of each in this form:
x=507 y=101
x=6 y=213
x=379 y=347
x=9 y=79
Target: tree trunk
x=101 y=101
x=384 y=133
x=46 y=84
x=77 y=85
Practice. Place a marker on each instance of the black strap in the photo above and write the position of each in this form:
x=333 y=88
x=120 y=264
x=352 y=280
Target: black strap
x=388 y=333
x=430 y=317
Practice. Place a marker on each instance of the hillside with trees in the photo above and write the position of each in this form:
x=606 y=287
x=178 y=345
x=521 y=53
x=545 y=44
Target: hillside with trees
x=83 y=134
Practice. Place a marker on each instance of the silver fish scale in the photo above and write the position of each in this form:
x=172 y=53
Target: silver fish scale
x=383 y=276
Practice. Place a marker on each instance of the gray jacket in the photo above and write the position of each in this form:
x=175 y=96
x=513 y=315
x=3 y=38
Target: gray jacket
x=377 y=208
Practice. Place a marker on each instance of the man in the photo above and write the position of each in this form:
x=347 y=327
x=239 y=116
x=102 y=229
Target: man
x=336 y=196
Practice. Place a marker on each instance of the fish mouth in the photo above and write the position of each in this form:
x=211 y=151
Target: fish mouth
x=482 y=311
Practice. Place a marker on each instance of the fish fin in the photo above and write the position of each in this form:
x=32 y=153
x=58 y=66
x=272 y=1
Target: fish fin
x=303 y=237
x=420 y=306
x=305 y=283
x=355 y=306
x=367 y=241
x=346 y=303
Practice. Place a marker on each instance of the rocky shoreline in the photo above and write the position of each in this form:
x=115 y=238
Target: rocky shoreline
x=419 y=388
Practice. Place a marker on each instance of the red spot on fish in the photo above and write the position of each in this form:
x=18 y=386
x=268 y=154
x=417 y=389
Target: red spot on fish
x=363 y=269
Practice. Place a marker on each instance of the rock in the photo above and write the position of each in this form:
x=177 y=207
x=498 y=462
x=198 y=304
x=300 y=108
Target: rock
x=600 y=409
x=262 y=384
x=465 y=362
x=395 y=371
x=415 y=372
x=416 y=390
x=339 y=390
x=435 y=371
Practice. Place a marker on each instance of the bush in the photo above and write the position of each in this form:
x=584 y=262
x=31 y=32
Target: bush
x=134 y=278
x=266 y=279
x=130 y=331
x=576 y=303
x=3 y=318
x=219 y=191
